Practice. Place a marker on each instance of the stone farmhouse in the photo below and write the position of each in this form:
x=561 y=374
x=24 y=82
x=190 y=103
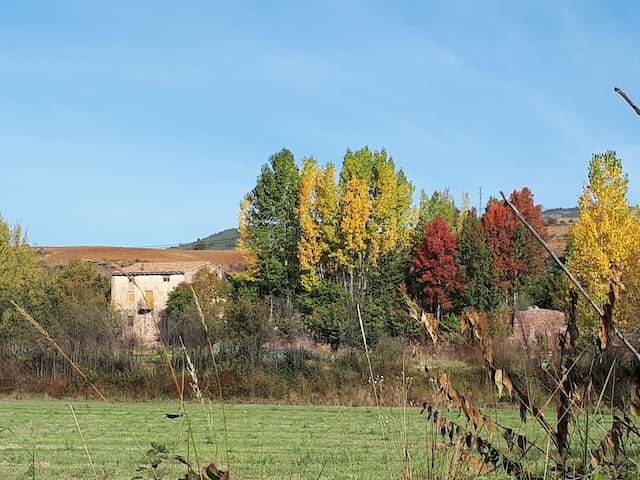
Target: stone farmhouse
x=140 y=291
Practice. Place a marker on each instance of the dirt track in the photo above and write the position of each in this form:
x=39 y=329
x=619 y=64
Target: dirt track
x=52 y=256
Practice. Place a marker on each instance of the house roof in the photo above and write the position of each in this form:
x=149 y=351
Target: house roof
x=160 y=268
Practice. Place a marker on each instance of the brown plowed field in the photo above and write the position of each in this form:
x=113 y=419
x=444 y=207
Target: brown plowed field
x=557 y=236
x=52 y=256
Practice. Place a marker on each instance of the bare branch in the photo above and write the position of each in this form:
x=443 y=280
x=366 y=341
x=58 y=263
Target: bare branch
x=628 y=100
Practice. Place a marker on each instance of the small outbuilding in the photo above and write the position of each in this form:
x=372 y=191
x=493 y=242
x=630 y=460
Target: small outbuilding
x=538 y=326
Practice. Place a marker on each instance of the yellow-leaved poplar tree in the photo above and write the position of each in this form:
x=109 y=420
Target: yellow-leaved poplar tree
x=355 y=211
x=327 y=205
x=317 y=211
x=605 y=236
x=384 y=223
x=311 y=247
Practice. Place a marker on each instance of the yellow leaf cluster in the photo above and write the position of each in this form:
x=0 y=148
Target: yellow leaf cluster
x=356 y=208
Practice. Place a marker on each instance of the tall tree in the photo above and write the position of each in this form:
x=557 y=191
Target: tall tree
x=475 y=262
x=533 y=254
x=435 y=267
x=605 y=236
x=269 y=229
x=327 y=207
x=517 y=257
x=374 y=214
x=83 y=322
x=310 y=248
x=317 y=213
x=499 y=226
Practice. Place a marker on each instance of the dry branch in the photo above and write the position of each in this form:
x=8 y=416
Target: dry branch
x=627 y=99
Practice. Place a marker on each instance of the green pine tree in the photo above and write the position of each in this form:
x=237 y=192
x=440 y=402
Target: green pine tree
x=269 y=228
x=475 y=262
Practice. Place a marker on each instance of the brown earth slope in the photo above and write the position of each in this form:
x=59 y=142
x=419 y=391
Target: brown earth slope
x=54 y=256
x=557 y=237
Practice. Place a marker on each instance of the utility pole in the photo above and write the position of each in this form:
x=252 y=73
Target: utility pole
x=480 y=204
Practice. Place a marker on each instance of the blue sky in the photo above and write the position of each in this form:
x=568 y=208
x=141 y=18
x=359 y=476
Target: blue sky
x=145 y=123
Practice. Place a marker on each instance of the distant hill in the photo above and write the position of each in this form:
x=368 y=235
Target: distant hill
x=224 y=240
x=557 y=215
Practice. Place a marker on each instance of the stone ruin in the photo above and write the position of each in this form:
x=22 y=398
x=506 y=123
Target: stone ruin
x=537 y=327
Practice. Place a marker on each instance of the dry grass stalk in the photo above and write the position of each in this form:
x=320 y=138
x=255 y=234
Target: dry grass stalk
x=471 y=450
x=501 y=377
x=84 y=443
x=191 y=370
x=217 y=374
x=373 y=383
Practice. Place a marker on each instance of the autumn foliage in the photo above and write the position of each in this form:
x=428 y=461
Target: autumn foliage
x=515 y=251
x=435 y=266
x=605 y=238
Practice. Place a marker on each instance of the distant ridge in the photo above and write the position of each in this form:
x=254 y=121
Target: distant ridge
x=228 y=239
x=224 y=240
x=561 y=214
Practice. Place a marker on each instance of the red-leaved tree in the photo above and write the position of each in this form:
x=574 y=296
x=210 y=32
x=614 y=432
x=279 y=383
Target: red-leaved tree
x=435 y=267
x=515 y=251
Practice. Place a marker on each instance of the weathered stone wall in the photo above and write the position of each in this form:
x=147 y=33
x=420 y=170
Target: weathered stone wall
x=536 y=325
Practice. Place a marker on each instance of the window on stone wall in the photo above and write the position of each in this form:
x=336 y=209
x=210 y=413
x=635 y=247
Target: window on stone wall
x=165 y=278
x=130 y=320
x=132 y=296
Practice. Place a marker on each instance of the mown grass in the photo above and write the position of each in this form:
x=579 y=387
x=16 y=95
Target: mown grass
x=40 y=439
x=264 y=441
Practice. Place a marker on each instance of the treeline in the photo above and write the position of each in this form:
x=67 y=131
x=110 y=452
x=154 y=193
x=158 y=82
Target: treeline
x=321 y=241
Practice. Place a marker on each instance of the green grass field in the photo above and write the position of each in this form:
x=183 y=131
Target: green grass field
x=40 y=439
x=263 y=441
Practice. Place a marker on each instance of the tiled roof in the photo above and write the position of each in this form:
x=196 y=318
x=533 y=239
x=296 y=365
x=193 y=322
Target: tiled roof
x=160 y=268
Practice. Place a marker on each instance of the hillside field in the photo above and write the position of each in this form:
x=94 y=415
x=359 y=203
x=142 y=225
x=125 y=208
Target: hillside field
x=53 y=256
